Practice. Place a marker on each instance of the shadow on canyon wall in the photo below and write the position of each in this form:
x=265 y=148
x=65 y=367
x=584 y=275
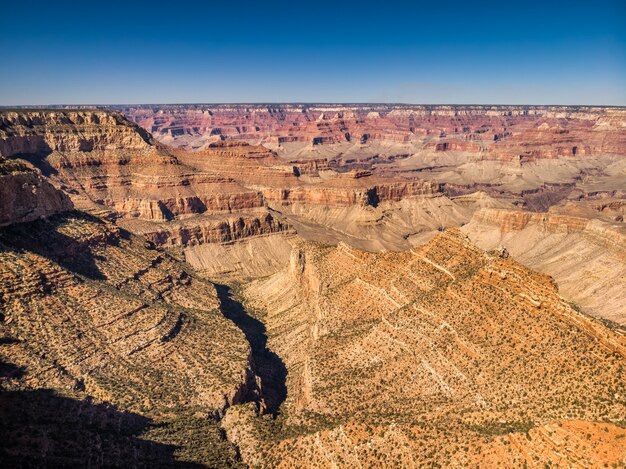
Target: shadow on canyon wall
x=73 y=254
x=40 y=428
x=268 y=366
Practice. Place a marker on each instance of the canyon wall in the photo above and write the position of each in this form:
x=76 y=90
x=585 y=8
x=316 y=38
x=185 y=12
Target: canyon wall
x=103 y=160
x=208 y=229
x=522 y=133
x=532 y=156
x=39 y=132
x=112 y=351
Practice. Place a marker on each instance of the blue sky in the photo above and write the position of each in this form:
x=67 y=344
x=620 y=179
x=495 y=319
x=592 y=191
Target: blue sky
x=527 y=52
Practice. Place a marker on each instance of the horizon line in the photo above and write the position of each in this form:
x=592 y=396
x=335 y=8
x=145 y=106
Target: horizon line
x=293 y=103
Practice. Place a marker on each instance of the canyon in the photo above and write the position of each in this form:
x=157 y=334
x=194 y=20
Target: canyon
x=421 y=169
x=525 y=133
x=311 y=285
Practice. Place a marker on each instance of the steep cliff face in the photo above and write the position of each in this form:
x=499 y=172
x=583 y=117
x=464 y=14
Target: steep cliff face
x=348 y=191
x=39 y=132
x=25 y=195
x=209 y=229
x=331 y=205
x=507 y=221
x=102 y=159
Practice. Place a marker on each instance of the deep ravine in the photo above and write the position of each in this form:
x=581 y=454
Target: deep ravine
x=267 y=366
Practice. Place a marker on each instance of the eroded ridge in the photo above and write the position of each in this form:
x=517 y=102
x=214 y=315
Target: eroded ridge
x=445 y=354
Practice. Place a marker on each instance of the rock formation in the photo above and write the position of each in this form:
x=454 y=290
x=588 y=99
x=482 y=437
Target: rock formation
x=523 y=133
x=25 y=195
x=104 y=160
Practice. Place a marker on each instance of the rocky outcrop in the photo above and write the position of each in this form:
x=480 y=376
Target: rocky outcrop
x=310 y=167
x=125 y=304
x=209 y=229
x=25 y=195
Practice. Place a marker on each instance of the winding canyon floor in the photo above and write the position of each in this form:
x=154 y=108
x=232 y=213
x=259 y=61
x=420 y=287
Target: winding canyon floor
x=313 y=286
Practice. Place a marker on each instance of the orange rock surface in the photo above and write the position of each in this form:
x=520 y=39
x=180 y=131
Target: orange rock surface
x=443 y=355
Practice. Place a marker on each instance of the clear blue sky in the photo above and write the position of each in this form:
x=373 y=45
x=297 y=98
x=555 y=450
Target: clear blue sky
x=528 y=52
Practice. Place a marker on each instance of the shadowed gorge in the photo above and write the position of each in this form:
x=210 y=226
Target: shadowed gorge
x=268 y=366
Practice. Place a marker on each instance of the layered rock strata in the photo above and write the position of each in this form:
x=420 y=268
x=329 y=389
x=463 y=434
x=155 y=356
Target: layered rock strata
x=523 y=133
x=102 y=159
x=208 y=229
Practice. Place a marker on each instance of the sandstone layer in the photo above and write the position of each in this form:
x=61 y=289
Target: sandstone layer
x=534 y=155
x=369 y=211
